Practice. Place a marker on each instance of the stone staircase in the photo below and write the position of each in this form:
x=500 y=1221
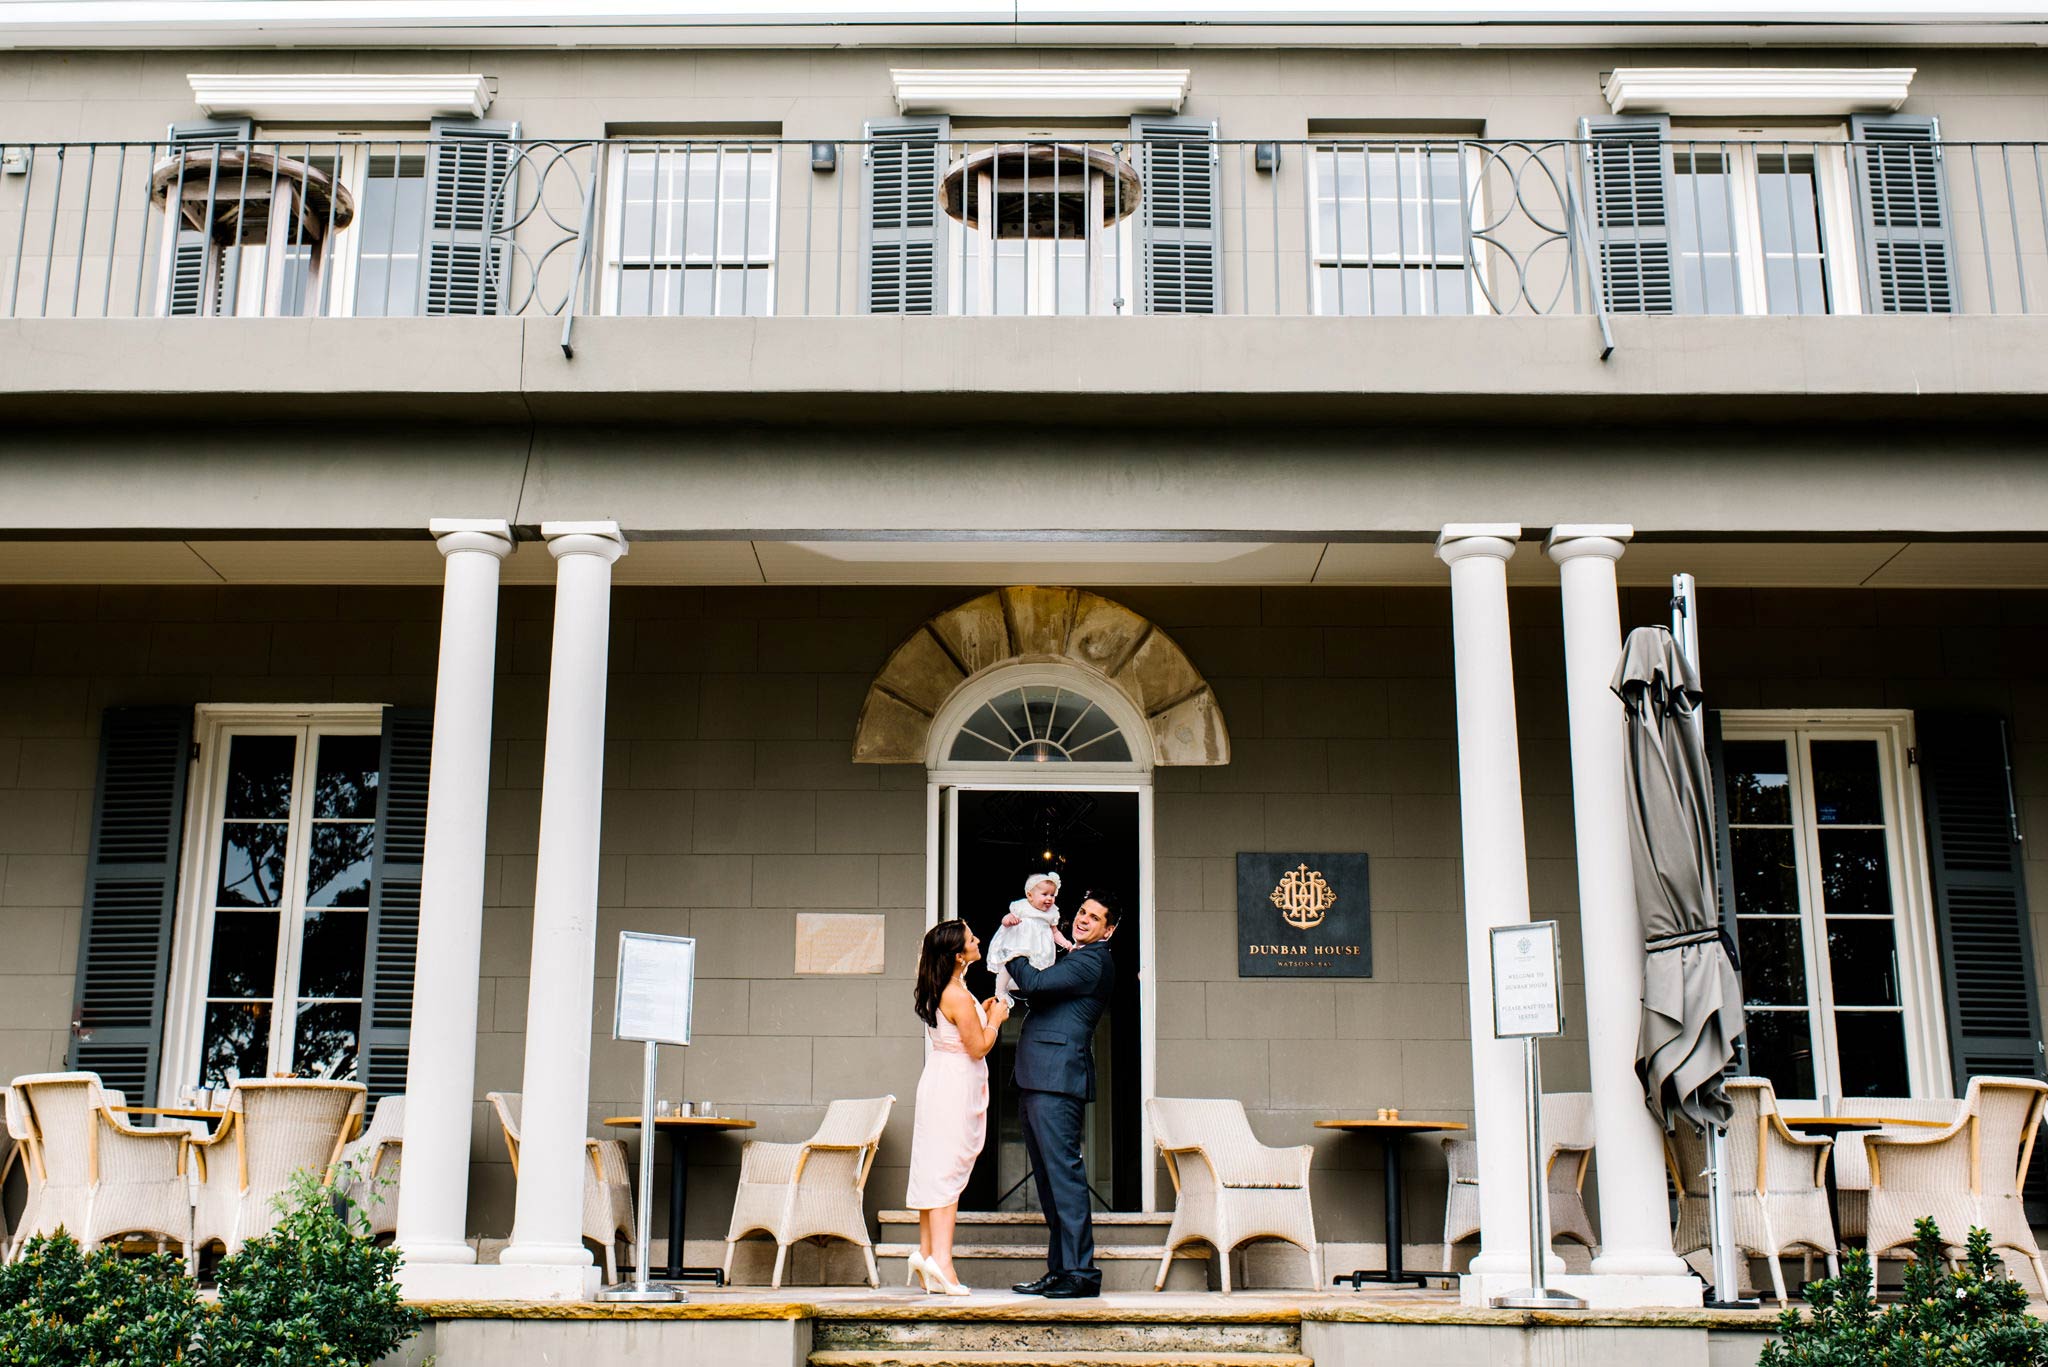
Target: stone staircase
x=1001 y=1248
x=1190 y=1341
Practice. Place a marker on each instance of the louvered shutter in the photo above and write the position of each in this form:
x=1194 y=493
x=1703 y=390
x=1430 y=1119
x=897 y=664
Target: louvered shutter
x=185 y=282
x=1902 y=197
x=131 y=893
x=1178 y=219
x=394 y=934
x=471 y=185
x=1628 y=178
x=903 y=230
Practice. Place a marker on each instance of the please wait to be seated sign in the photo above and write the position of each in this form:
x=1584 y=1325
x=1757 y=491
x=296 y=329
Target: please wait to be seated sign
x=1527 y=999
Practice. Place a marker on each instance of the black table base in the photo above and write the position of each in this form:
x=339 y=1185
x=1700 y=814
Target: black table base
x=678 y=1191
x=1394 y=1273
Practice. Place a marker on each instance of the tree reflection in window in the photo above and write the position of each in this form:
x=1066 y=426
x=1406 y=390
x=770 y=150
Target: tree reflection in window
x=1037 y=724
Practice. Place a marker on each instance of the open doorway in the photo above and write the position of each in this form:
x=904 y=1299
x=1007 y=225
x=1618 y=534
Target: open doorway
x=1091 y=837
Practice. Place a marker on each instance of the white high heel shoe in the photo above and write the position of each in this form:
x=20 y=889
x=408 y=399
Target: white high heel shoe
x=918 y=1269
x=944 y=1287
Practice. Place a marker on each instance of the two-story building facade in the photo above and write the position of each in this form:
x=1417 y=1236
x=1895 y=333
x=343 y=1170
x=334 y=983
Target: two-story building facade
x=476 y=483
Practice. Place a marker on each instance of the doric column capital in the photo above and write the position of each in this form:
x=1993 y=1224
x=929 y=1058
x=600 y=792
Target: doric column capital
x=1461 y=539
x=491 y=535
x=584 y=538
x=1568 y=541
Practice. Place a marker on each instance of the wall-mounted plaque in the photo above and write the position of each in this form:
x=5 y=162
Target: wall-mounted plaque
x=838 y=942
x=1303 y=916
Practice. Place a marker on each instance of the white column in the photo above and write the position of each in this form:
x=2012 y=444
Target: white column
x=1635 y=1227
x=548 y=1216
x=440 y=1081
x=1496 y=883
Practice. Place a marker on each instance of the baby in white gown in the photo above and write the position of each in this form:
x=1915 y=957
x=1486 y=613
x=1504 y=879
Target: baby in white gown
x=1029 y=932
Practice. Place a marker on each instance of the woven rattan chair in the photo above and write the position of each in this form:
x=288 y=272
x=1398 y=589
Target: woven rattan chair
x=274 y=1128
x=1852 y=1168
x=10 y=1158
x=370 y=1167
x=607 y=1190
x=812 y=1190
x=1776 y=1184
x=1568 y=1153
x=1969 y=1174
x=1230 y=1189
x=91 y=1172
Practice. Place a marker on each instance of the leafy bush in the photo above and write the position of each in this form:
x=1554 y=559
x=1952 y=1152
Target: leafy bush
x=63 y=1307
x=1974 y=1316
x=314 y=1292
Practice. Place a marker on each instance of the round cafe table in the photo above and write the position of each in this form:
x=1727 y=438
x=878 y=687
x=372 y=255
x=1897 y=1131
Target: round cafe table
x=1390 y=1133
x=677 y=1129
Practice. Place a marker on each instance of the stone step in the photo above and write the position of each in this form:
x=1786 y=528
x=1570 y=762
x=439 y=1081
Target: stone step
x=955 y=1358
x=1028 y=1227
x=1125 y=1267
x=1063 y=1334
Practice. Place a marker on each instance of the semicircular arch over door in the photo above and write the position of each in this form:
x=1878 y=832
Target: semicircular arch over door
x=1029 y=625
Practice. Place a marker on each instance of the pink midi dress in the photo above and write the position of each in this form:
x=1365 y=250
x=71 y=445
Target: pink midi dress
x=952 y=1118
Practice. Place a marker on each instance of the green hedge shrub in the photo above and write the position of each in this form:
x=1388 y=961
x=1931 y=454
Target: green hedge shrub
x=63 y=1307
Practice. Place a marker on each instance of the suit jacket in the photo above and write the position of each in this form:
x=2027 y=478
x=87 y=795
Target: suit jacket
x=1055 y=1052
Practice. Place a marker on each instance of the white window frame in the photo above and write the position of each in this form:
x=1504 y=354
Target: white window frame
x=720 y=258
x=259 y=283
x=1920 y=981
x=1837 y=207
x=1114 y=268
x=192 y=938
x=1369 y=252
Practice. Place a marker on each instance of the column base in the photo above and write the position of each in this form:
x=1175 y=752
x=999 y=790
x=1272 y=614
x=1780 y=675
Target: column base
x=437 y=1252
x=1623 y=1262
x=1599 y=1293
x=499 y=1282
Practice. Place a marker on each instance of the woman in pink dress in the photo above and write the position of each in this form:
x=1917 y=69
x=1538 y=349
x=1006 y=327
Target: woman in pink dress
x=952 y=1097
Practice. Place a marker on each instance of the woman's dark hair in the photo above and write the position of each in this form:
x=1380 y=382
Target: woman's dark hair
x=936 y=960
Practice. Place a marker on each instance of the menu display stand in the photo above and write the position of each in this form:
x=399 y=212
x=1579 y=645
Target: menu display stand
x=657 y=989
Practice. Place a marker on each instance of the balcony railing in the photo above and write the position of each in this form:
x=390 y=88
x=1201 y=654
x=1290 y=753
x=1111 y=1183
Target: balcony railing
x=1173 y=221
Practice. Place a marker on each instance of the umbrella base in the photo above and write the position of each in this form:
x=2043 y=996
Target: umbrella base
x=1537 y=1298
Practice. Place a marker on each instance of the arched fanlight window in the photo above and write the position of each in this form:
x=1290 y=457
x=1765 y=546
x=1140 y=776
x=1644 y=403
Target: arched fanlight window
x=1039 y=724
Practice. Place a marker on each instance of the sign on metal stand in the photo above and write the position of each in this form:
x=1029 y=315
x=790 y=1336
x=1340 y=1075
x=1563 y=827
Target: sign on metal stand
x=656 y=990
x=1528 y=1005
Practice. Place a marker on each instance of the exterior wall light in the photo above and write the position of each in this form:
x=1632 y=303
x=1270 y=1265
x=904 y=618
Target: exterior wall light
x=1266 y=157
x=824 y=156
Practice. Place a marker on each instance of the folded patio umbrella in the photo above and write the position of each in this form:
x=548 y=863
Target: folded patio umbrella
x=1692 y=995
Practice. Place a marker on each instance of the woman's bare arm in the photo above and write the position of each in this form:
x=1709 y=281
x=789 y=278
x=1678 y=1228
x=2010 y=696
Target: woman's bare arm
x=957 y=1005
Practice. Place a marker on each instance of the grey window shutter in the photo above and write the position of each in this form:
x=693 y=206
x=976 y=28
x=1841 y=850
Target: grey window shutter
x=904 y=233
x=1902 y=199
x=184 y=292
x=1628 y=180
x=131 y=893
x=471 y=185
x=394 y=937
x=1980 y=902
x=1178 y=219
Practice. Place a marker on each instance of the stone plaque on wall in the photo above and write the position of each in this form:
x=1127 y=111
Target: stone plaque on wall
x=1303 y=916
x=830 y=942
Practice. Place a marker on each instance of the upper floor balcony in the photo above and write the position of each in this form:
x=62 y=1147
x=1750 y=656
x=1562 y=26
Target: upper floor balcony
x=1581 y=238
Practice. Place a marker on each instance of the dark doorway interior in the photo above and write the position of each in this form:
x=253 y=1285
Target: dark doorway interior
x=1091 y=839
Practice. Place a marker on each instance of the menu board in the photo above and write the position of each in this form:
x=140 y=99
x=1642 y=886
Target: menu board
x=657 y=981
x=1527 y=1002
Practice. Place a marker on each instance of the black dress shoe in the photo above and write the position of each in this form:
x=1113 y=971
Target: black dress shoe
x=1073 y=1286
x=1037 y=1288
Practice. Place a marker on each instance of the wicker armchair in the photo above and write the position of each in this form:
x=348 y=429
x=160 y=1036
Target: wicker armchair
x=1776 y=1185
x=1970 y=1173
x=1228 y=1187
x=92 y=1173
x=1568 y=1153
x=370 y=1167
x=10 y=1157
x=812 y=1190
x=1852 y=1167
x=607 y=1190
x=274 y=1128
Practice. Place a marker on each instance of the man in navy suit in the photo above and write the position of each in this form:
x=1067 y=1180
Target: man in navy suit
x=1056 y=1076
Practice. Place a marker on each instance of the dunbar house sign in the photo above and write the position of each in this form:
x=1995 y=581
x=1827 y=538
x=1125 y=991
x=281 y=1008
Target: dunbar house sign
x=1303 y=916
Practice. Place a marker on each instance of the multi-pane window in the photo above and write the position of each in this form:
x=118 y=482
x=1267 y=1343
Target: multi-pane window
x=692 y=229
x=1038 y=724
x=1390 y=229
x=1750 y=227
x=288 y=904
x=1822 y=913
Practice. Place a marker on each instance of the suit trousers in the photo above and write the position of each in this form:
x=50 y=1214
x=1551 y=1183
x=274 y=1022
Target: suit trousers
x=1052 y=1138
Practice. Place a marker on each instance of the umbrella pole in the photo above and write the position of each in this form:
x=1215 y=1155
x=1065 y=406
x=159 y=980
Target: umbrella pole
x=1685 y=630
